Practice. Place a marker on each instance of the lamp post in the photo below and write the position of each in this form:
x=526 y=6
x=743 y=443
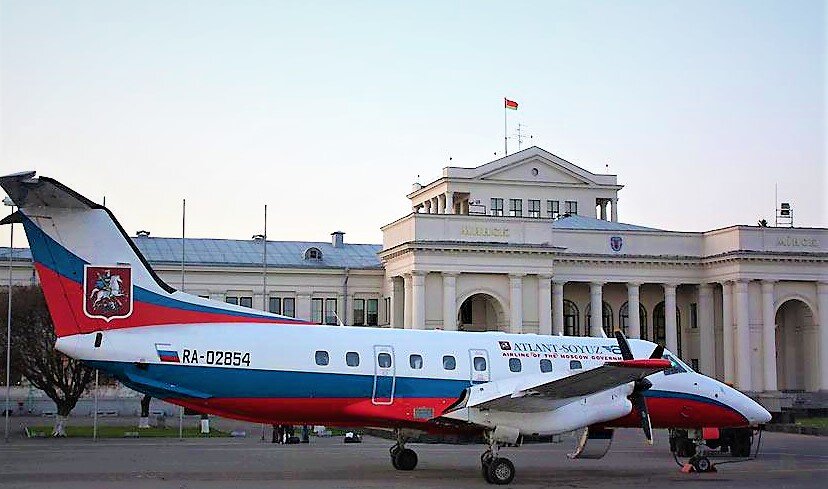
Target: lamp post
x=7 y=201
x=263 y=239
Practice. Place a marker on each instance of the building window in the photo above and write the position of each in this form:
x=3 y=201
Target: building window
x=514 y=365
x=352 y=359
x=497 y=207
x=449 y=363
x=313 y=254
x=289 y=307
x=246 y=301
x=415 y=361
x=372 y=312
x=359 y=312
x=317 y=306
x=553 y=209
x=571 y=207
x=694 y=363
x=466 y=312
x=545 y=365
x=572 y=326
x=275 y=305
x=330 y=312
x=534 y=208
x=624 y=319
x=660 y=327
x=232 y=300
x=516 y=207
x=321 y=358
x=694 y=318
x=606 y=318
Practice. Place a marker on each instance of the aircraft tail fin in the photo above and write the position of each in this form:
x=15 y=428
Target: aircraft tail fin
x=93 y=275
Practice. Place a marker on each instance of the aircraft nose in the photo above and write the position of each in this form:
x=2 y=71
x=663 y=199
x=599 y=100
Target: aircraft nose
x=756 y=414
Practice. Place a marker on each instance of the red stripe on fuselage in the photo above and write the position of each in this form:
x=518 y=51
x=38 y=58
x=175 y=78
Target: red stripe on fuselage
x=65 y=300
x=671 y=412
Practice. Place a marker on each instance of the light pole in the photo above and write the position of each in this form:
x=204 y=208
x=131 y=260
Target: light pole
x=263 y=239
x=7 y=201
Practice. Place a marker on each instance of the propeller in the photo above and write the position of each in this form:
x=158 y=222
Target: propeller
x=639 y=386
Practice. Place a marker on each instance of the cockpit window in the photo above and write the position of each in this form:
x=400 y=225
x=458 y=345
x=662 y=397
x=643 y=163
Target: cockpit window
x=678 y=367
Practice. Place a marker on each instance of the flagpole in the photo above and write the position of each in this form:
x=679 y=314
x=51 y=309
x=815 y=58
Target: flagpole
x=183 y=234
x=505 y=131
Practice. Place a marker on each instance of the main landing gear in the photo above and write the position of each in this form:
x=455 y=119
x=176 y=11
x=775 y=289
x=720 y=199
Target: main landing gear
x=402 y=458
x=495 y=469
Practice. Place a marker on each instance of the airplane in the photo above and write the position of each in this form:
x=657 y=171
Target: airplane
x=111 y=310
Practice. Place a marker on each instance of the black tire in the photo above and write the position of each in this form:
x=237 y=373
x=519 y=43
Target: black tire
x=394 y=462
x=405 y=459
x=686 y=448
x=501 y=471
x=702 y=464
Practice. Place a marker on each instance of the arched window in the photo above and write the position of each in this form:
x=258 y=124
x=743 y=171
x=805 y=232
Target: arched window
x=660 y=327
x=624 y=319
x=572 y=326
x=606 y=320
x=313 y=254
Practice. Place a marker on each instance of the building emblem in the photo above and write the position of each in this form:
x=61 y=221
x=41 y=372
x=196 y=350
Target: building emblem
x=616 y=242
x=107 y=291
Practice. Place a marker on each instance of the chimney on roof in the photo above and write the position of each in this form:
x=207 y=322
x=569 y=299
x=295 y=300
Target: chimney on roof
x=337 y=239
x=142 y=234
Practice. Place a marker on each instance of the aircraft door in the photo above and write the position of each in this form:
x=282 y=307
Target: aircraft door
x=384 y=379
x=479 y=360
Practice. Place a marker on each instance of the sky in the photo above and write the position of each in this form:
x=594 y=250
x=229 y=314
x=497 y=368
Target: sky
x=328 y=111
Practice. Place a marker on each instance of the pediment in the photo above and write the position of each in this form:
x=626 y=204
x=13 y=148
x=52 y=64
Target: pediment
x=535 y=167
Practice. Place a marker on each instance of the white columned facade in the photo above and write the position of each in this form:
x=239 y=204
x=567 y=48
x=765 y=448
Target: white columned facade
x=545 y=304
x=557 y=308
x=707 y=341
x=397 y=315
x=417 y=300
x=516 y=303
x=740 y=299
x=633 y=306
x=441 y=201
x=596 y=312
x=450 y=301
x=407 y=302
x=449 y=202
x=768 y=336
x=614 y=210
x=822 y=304
x=670 y=327
x=728 y=352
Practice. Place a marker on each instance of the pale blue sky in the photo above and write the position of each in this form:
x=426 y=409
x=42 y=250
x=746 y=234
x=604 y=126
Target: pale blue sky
x=328 y=111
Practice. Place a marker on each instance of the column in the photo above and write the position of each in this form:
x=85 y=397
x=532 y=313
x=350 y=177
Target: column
x=427 y=206
x=516 y=303
x=633 y=310
x=557 y=307
x=728 y=352
x=397 y=315
x=822 y=304
x=544 y=304
x=602 y=205
x=671 y=330
x=417 y=300
x=707 y=342
x=450 y=301
x=441 y=204
x=449 y=202
x=407 y=301
x=768 y=336
x=435 y=203
x=614 y=210
x=740 y=298
x=596 y=309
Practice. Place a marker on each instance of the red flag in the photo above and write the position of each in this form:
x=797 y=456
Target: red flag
x=510 y=104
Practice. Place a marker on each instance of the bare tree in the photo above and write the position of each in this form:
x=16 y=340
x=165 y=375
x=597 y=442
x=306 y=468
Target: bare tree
x=63 y=379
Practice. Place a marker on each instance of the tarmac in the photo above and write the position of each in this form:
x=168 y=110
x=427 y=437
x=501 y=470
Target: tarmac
x=785 y=460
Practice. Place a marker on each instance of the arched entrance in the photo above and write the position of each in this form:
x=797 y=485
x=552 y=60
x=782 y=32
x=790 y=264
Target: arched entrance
x=481 y=312
x=797 y=347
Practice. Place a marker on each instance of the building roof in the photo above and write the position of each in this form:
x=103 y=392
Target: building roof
x=593 y=224
x=246 y=253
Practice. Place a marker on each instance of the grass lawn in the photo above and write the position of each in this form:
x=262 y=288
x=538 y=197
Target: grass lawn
x=126 y=432
x=818 y=422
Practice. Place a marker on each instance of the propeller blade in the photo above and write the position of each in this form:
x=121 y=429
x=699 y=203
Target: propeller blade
x=658 y=352
x=624 y=345
x=646 y=425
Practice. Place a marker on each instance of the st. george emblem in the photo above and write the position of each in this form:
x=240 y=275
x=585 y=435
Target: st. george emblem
x=107 y=291
x=616 y=242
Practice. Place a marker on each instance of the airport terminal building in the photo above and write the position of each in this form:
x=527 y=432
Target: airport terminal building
x=531 y=243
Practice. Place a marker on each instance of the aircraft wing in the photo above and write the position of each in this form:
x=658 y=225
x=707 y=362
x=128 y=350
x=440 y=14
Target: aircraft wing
x=538 y=393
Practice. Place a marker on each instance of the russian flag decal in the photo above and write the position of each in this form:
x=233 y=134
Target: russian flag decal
x=166 y=353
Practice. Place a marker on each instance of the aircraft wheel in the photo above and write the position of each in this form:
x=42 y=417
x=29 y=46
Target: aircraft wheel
x=501 y=471
x=405 y=459
x=702 y=464
x=484 y=466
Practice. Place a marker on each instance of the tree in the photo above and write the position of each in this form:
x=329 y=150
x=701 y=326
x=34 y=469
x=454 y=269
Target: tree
x=63 y=379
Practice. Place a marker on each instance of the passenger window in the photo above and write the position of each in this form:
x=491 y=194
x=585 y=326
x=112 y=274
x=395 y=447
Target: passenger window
x=384 y=360
x=546 y=365
x=352 y=359
x=479 y=364
x=322 y=358
x=416 y=361
x=449 y=363
x=514 y=365
x=575 y=365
